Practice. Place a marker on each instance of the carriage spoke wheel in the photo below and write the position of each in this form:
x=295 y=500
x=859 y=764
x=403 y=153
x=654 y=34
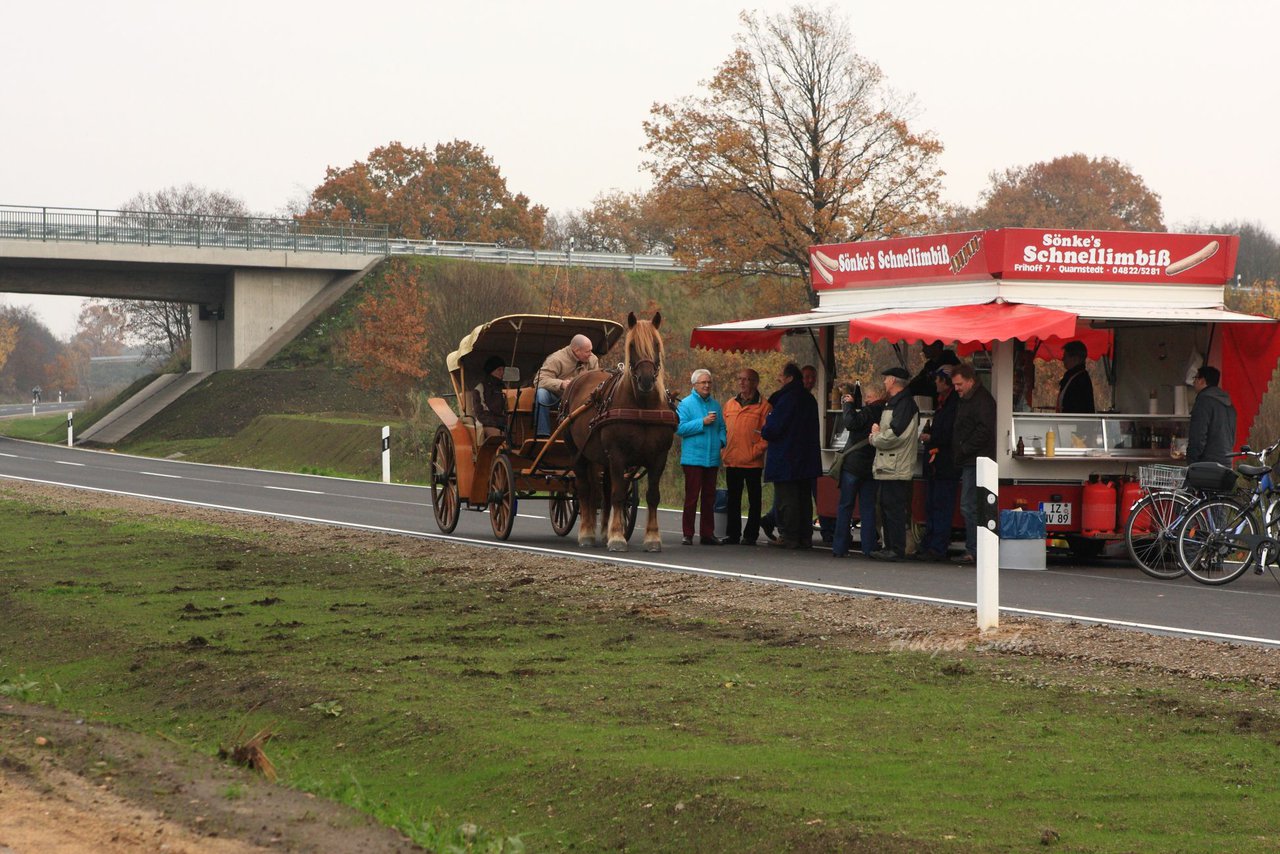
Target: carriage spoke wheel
x=631 y=510
x=502 y=497
x=444 y=481
x=564 y=512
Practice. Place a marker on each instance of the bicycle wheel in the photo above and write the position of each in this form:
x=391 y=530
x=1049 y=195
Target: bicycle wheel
x=1214 y=541
x=1151 y=533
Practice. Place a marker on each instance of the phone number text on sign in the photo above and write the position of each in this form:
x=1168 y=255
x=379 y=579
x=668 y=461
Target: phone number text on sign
x=1056 y=512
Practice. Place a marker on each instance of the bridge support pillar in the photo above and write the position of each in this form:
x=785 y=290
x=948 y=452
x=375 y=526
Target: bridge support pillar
x=256 y=305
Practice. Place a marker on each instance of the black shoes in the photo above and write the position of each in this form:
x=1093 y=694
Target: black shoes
x=712 y=541
x=888 y=555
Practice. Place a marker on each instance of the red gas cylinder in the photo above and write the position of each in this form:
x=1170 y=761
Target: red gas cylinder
x=1130 y=493
x=1099 y=515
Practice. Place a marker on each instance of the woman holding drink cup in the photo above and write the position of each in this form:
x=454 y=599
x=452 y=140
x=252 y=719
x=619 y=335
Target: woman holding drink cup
x=702 y=434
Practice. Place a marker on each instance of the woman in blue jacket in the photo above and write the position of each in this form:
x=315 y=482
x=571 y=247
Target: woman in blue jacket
x=702 y=435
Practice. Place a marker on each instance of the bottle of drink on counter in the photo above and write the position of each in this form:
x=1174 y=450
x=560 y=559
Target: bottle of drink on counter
x=1022 y=447
x=857 y=394
x=1050 y=443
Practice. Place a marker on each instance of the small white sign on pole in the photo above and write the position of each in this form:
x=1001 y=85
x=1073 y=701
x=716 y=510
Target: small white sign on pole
x=386 y=454
x=988 y=557
x=70 y=422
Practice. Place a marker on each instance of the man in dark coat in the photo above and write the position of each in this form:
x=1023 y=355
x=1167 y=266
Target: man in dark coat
x=935 y=356
x=1075 y=390
x=1212 y=434
x=973 y=436
x=488 y=405
x=794 y=458
x=942 y=478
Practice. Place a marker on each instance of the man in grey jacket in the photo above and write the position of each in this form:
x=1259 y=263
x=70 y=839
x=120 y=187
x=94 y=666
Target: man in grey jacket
x=1212 y=435
x=895 y=440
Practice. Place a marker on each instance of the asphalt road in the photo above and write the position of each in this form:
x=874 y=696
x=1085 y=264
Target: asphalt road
x=1103 y=591
x=17 y=410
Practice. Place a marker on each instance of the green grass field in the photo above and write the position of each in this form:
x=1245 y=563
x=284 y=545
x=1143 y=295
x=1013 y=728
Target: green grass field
x=421 y=695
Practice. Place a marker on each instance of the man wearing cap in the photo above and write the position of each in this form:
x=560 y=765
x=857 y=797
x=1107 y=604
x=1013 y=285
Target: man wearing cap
x=488 y=405
x=894 y=439
x=560 y=368
x=1075 y=391
x=1212 y=434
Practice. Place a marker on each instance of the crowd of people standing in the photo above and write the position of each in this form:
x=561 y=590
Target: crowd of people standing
x=777 y=440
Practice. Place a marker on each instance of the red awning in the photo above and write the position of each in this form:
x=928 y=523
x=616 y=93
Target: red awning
x=979 y=324
x=1250 y=352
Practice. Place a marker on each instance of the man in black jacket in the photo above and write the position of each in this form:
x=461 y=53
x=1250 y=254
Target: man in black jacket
x=1212 y=434
x=942 y=478
x=1075 y=390
x=974 y=436
x=857 y=485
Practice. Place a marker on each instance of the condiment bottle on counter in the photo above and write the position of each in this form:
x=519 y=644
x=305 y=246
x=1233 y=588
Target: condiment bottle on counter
x=1049 y=443
x=1022 y=448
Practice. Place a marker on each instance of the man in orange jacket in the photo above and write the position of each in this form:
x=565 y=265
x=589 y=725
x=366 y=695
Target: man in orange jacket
x=743 y=457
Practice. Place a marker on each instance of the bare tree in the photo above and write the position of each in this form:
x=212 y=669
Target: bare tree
x=163 y=329
x=797 y=141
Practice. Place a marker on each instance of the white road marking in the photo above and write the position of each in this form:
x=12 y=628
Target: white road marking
x=292 y=489
x=65 y=463
x=161 y=474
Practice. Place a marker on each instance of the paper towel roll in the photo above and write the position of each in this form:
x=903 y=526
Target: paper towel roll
x=1179 y=400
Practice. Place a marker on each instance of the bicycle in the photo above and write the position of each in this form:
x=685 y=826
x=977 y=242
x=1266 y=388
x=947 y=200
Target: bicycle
x=1151 y=531
x=1219 y=538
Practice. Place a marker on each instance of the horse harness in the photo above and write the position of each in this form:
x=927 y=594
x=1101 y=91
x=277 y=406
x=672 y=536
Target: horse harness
x=607 y=413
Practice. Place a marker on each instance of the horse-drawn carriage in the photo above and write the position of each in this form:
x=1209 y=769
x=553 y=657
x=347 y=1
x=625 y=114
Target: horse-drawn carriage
x=492 y=468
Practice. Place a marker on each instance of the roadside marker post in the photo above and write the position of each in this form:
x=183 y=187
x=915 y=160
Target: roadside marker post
x=386 y=454
x=988 y=557
x=70 y=421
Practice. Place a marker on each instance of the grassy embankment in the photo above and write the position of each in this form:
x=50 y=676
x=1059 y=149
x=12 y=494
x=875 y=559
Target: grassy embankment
x=575 y=719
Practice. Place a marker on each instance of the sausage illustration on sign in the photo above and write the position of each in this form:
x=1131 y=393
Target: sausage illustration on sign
x=823 y=272
x=826 y=260
x=1209 y=250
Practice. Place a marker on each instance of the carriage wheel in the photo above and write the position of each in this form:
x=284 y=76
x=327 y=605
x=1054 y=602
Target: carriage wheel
x=444 y=481
x=631 y=510
x=564 y=512
x=502 y=496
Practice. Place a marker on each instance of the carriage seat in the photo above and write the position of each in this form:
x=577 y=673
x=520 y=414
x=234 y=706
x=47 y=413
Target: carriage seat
x=520 y=401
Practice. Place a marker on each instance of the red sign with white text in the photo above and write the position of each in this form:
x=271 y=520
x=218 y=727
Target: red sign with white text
x=1027 y=254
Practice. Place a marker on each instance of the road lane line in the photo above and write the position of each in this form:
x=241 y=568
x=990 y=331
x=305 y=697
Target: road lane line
x=292 y=489
x=161 y=474
x=66 y=463
x=612 y=557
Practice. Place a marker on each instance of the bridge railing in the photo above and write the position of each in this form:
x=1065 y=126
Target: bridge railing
x=154 y=228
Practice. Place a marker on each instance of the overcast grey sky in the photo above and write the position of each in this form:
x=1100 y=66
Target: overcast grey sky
x=103 y=100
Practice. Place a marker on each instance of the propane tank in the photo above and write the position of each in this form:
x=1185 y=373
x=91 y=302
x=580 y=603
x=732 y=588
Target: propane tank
x=1130 y=493
x=1099 y=507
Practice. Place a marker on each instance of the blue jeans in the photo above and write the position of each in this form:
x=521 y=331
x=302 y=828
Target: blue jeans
x=863 y=491
x=940 y=506
x=969 y=507
x=544 y=403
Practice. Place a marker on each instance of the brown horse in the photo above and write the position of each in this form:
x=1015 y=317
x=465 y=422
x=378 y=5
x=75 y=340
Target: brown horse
x=628 y=425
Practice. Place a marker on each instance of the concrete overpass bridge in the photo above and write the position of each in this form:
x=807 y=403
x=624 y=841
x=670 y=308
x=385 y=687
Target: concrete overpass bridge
x=253 y=283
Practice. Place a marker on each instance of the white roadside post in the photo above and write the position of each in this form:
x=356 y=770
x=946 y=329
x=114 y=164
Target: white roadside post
x=386 y=454
x=988 y=557
x=70 y=420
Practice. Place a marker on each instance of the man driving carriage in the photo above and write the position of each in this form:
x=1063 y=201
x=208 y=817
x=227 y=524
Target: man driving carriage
x=560 y=369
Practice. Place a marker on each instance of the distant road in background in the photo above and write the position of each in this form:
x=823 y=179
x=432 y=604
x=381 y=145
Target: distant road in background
x=17 y=410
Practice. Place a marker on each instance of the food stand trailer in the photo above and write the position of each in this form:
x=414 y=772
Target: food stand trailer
x=1149 y=306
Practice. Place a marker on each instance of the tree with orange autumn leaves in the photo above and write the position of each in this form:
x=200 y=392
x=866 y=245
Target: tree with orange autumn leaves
x=387 y=344
x=1072 y=191
x=796 y=141
x=452 y=192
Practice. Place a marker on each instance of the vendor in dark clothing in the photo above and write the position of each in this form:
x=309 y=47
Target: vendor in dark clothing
x=935 y=356
x=1212 y=432
x=488 y=404
x=1075 y=391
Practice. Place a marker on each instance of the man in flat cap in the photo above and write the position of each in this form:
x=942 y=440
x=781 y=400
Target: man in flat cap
x=894 y=439
x=1075 y=391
